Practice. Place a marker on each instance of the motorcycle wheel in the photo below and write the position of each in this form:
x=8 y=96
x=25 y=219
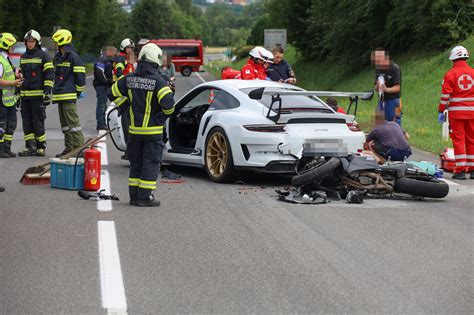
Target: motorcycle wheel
x=422 y=187
x=318 y=173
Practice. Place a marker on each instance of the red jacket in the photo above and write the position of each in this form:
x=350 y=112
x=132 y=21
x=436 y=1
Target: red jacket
x=230 y=73
x=262 y=72
x=458 y=91
x=250 y=71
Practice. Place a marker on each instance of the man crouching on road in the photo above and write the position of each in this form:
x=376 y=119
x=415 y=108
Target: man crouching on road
x=151 y=102
x=388 y=141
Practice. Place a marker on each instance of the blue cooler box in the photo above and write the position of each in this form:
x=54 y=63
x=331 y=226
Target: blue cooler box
x=65 y=174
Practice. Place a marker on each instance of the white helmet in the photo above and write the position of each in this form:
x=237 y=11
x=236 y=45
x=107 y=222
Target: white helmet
x=32 y=34
x=258 y=52
x=458 y=52
x=151 y=53
x=268 y=55
x=127 y=42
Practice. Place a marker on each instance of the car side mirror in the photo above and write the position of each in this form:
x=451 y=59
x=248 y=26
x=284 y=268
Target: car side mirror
x=256 y=94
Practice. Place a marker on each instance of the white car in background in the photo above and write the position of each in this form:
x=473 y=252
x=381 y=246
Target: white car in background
x=229 y=125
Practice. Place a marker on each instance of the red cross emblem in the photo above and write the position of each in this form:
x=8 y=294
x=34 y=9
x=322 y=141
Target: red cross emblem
x=465 y=82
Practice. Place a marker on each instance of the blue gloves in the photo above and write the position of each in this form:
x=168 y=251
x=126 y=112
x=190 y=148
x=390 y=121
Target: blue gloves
x=81 y=95
x=441 y=118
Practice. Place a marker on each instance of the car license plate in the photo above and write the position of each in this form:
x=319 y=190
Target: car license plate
x=324 y=147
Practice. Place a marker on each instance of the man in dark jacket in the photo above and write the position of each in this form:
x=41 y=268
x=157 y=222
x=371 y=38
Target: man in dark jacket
x=38 y=73
x=69 y=83
x=281 y=70
x=103 y=80
x=151 y=102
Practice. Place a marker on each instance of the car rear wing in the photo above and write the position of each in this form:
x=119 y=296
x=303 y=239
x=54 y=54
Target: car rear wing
x=354 y=97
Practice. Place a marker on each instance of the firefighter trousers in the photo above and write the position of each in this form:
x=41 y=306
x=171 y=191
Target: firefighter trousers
x=33 y=115
x=144 y=157
x=461 y=132
x=70 y=125
x=8 y=124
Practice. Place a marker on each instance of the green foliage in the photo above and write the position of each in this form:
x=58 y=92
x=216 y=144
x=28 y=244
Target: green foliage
x=350 y=29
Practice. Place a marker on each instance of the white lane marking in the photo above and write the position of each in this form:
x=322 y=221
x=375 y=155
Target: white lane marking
x=111 y=281
x=203 y=81
x=104 y=205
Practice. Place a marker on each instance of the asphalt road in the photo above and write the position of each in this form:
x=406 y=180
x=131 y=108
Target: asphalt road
x=215 y=248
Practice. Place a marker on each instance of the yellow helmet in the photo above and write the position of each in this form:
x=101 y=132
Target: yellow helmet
x=62 y=37
x=7 y=40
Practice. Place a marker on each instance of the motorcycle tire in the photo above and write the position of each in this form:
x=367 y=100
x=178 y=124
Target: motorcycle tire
x=430 y=188
x=318 y=173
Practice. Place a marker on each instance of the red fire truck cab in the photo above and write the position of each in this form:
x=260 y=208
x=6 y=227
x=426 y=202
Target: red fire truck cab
x=186 y=54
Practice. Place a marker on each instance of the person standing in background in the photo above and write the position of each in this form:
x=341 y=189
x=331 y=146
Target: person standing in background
x=103 y=80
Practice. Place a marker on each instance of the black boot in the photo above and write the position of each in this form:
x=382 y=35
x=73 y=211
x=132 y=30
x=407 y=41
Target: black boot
x=472 y=175
x=3 y=155
x=27 y=152
x=8 y=145
x=147 y=203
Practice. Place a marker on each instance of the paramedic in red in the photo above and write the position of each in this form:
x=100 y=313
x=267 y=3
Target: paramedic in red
x=458 y=99
x=253 y=69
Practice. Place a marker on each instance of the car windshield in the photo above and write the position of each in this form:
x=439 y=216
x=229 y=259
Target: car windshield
x=292 y=102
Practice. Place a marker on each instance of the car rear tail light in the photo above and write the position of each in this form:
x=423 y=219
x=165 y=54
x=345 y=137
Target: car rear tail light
x=266 y=128
x=353 y=126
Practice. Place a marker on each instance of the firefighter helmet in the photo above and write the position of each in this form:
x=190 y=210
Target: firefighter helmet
x=127 y=42
x=268 y=55
x=7 y=40
x=32 y=34
x=62 y=37
x=151 y=53
x=258 y=53
x=458 y=52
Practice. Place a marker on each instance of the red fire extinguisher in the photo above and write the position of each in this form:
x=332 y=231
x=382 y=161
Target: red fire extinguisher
x=92 y=169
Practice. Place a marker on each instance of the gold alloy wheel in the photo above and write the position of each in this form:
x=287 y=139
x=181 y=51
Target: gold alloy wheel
x=216 y=154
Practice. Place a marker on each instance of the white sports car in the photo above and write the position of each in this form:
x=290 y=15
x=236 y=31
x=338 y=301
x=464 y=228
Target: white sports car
x=229 y=125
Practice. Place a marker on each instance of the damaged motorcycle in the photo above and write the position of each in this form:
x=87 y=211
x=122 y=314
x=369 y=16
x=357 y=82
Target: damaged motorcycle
x=353 y=173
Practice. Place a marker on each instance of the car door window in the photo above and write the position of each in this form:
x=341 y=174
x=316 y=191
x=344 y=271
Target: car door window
x=224 y=100
x=205 y=97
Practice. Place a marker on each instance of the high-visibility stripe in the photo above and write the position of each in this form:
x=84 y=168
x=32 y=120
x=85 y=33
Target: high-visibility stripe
x=32 y=60
x=470 y=164
x=444 y=102
x=48 y=65
x=65 y=128
x=163 y=92
x=469 y=156
x=146 y=184
x=1 y=140
x=134 y=182
x=120 y=66
x=64 y=97
x=80 y=88
x=72 y=129
x=146 y=118
x=168 y=111
x=157 y=130
x=49 y=83
x=30 y=136
x=116 y=91
x=64 y=64
x=41 y=138
x=8 y=137
x=119 y=101
x=445 y=95
x=460 y=156
x=460 y=108
x=462 y=99
x=80 y=69
x=32 y=93
x=461 y=163
x=132 y=116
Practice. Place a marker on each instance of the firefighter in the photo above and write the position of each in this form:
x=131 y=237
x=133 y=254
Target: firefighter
x=103 y=80
x=69 y=83
x=9 y=79
x=38 y=73
x=123 y=65
x=458 y=99
x=253 y=69
x=151 y=102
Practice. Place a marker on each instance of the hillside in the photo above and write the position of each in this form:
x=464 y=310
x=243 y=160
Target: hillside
x=422 y=74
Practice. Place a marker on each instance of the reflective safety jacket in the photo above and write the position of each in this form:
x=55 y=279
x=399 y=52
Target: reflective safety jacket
x=38 y=72
x=251 y=71
x=121 y=66
x=458 y=91
x=69 y=75
x=150 y=97
x=7 y=93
